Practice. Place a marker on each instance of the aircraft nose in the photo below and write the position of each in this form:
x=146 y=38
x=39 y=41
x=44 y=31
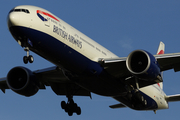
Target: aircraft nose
x=13 y=19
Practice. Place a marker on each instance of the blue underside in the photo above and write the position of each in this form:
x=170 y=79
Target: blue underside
x=151 y=104
x=93 y=76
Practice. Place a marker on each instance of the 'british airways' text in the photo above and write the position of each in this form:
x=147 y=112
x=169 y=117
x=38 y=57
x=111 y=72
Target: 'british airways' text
x=67 y=36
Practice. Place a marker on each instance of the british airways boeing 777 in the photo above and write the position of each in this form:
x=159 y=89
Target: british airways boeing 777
x=83 y=66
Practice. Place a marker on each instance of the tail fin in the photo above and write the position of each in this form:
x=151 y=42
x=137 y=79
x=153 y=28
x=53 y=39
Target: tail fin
x=161 y=50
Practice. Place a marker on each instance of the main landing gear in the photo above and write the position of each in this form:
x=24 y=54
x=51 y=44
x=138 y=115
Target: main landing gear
x=70 y=107
x=28 y=58
x=135 y=97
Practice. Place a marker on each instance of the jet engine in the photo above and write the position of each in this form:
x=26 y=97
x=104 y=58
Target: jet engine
x=143 y=65
x=22 y=81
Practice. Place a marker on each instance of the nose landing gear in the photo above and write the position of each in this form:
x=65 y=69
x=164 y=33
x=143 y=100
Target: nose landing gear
x=28 y=58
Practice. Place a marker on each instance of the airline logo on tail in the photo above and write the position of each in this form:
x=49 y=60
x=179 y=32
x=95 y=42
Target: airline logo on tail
x=41 y=13
x=161 y=52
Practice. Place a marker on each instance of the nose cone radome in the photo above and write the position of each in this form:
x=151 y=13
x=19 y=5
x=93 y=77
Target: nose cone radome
x=13 y=19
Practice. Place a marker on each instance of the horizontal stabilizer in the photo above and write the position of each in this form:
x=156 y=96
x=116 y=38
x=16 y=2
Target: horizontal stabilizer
x=117 y=106
x=173 y=98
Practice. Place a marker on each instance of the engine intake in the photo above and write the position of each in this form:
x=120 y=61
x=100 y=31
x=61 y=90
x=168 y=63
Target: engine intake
x=22 y=81
x=143 y=65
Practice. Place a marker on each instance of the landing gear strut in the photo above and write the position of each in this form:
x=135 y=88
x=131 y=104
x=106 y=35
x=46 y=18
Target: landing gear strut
x=137 y=100
x=70 y=107
x=28 y=58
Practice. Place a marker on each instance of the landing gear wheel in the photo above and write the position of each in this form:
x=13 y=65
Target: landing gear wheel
x=63 y=104
x=78 y=110
x=25 y=59
x=70 y=107
x=70 y=113
x=31 y=59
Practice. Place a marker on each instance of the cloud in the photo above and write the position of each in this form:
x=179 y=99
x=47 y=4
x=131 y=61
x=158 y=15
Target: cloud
x=126 y=43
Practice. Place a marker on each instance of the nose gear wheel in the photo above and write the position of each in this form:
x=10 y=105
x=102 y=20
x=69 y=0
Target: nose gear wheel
x=28 y=58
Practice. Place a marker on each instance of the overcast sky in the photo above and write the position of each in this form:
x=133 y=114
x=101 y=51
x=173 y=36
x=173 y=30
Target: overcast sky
x=120 y=26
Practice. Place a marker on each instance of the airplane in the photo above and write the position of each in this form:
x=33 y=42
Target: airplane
x=82 y=66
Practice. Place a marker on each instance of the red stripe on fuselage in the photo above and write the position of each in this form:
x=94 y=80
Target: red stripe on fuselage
x=47 y=14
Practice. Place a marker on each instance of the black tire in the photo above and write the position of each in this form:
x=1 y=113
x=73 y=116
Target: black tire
x=78 y=111
x=25 y=59
x=31 y=59
x=70 y=113
x=75 y=105
x=66 y=108
x=63 y=104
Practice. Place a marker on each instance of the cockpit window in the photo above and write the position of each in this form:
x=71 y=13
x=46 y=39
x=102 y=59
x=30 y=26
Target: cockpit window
x=23 y=10
x=19 y=10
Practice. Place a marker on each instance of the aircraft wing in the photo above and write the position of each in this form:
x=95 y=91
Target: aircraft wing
x=55 y=78
x=117 y=66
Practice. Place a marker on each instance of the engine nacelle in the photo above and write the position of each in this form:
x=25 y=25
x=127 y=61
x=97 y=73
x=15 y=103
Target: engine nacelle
x=143 y=65
x=22 y=81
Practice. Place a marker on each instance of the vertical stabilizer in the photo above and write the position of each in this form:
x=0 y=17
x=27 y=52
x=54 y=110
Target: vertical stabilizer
x=161 y=50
